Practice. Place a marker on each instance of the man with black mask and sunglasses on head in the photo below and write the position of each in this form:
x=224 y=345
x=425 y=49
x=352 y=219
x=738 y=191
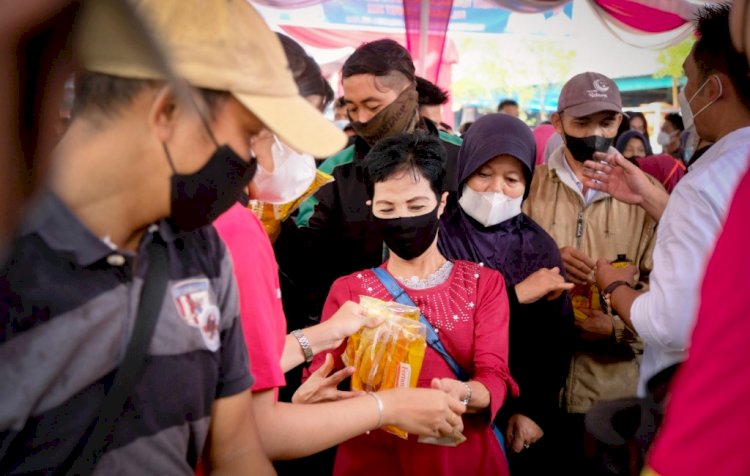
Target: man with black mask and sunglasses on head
x=120 y=347
x=588 y=225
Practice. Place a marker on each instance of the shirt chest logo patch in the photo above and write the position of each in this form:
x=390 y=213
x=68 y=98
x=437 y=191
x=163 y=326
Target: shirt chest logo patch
x=196 y=308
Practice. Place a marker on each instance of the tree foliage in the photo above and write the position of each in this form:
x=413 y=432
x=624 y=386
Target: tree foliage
x=493 y=68
x=671 y=59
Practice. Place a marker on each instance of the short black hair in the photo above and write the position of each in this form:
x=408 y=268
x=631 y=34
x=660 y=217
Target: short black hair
x=379 y=58
x=464 y=128
x=506 y=102
x=418 y=153
x=714 y=51
x=306 y=72
x=676 y=120
x=104 y=95
x=430 y=94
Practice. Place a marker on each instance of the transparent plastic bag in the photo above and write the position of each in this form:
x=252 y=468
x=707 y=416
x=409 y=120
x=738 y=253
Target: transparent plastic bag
x=272 y=215
x=389 y=355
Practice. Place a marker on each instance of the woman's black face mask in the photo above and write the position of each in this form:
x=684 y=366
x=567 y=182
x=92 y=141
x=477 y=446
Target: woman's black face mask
x=409 y=237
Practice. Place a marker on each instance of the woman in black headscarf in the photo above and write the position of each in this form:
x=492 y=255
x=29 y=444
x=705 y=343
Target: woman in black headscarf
x=483 y=223
x=633 y=145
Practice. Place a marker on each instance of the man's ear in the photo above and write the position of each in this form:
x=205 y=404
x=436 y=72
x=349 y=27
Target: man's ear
x=717 y=86
x=556 y=120
x=618 y=119
x=161 y=116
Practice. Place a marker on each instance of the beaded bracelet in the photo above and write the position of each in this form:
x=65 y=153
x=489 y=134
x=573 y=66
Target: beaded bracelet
x=467 y=399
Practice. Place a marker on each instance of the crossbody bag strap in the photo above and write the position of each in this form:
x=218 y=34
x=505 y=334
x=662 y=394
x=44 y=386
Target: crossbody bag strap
x=400 y=296
x=149 y=307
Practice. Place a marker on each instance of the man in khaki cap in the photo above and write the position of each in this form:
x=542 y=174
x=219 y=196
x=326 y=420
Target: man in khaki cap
x=120 y=347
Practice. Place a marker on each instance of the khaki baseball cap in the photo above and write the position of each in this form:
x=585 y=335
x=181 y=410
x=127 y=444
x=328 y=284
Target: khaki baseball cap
x=111 y=36
x=589 y=93
x=225 y=45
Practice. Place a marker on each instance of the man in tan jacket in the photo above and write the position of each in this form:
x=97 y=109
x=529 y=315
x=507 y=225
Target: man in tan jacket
x=589 y=225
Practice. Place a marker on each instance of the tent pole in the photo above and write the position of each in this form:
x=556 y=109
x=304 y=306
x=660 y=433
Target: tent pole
x=424 y=26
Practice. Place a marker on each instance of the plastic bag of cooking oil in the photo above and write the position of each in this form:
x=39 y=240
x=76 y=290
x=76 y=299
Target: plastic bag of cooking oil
x=389 y=355
x=589 y=296
x=272 y=215
x=585 y=296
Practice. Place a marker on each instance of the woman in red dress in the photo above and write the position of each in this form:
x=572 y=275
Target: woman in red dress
x=465 y=303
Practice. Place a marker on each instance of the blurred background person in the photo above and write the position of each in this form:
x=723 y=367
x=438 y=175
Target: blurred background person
x=464 y=128
x=663 y=167
x=542 y=134
x=639 y=123
x=431 y=100
x=670 y=136
x=339 y=110
x=508 y=106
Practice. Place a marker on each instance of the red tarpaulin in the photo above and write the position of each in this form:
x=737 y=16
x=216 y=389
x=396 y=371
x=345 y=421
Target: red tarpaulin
x=426 y=23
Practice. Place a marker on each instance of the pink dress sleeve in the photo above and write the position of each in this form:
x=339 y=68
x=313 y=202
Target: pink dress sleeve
x=491 y=339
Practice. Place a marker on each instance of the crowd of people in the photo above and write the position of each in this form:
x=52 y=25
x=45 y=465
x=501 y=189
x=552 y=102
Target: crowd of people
x=574 y=285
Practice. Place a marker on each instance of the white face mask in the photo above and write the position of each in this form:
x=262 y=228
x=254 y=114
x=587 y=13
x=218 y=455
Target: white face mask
x=489 y=208
x=690 y=145
x=687 y=119
x=685 y=104
x=685 y=111
x=341 y=123
x=664 y=138
x=292 y=175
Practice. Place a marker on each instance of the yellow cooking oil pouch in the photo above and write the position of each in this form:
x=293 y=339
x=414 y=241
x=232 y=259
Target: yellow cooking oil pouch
x=389 y=355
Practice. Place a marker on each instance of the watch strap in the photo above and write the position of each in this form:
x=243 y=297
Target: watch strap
x=304 y=344
x=614 y=285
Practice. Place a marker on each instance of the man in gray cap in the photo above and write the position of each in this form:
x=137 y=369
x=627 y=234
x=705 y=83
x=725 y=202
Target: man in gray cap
x=588 y=225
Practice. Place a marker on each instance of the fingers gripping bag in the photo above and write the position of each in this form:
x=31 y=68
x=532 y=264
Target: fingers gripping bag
x=389 y=355
x=588 y=296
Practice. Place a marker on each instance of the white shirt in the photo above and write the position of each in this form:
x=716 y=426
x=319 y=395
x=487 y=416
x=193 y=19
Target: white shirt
x=664 y=316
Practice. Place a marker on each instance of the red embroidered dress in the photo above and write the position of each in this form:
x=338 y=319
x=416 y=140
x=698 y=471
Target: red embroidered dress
x=470 y=313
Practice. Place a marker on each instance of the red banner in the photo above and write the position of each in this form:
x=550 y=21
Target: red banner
x=426 y=23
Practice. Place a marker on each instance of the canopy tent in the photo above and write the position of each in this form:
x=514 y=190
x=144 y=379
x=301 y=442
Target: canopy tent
x=421 y=25
x=644 y=23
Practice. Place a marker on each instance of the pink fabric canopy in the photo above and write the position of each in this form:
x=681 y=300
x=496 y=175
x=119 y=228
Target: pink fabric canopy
x=640 y=16
x=648 y=23
x=429 y=62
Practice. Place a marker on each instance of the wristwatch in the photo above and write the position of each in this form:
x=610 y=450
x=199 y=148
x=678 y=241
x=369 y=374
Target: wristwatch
x=304 y=344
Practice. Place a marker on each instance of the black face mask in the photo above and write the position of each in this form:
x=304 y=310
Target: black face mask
x=583 y=148
x=199 y=198
x=409 y=237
